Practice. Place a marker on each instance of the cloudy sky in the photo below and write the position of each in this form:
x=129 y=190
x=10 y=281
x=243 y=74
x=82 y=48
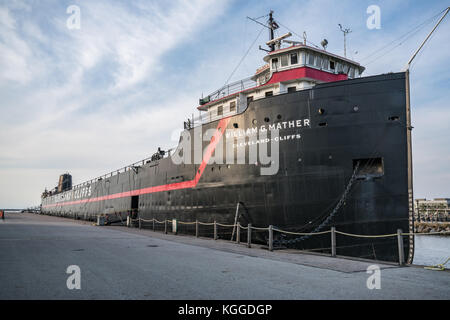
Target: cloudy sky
x=94 y=99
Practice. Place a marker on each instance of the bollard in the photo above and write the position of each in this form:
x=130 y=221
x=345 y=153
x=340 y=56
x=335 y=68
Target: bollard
x=139 y=222
x=249 y=235
x=215 y=230
x=238 y=234
x=333 y=241
x=153 y=220
x=401 y=252
x=128 y=221
x=196 y=228
x=270 y=238
x=165 y=226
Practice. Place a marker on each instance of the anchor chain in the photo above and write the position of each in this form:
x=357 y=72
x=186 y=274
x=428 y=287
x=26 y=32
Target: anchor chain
x=328 y=219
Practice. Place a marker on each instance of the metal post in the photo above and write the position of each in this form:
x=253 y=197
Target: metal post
x=238 y=234
x=153 y=220
x=236 y=218
x=215 y=230
x=401 y=252
x=333 y=241
x=249 y=235
x=196 y=228
x=165 y=226
x=270 y=238
x=139 y=217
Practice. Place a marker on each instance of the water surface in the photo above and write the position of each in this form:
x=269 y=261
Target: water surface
x=431 y=250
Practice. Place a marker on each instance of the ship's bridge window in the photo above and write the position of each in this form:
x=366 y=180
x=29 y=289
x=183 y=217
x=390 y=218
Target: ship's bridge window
x=310 y=59
x=275 y=63
x=291 y=89
x=232 y=106
x=346 y=68
x=220 y=110
x=294 y=58
x=301 y=57
x=284 y=60
x=269 y=93
x=324 y=63
x=332 y=66
x=352 y=72
x=318 y=61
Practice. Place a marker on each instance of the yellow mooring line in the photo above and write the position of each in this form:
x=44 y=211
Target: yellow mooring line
x=439 y=267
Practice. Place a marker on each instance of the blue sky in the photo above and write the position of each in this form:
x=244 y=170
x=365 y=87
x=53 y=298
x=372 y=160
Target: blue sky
x=92 y=100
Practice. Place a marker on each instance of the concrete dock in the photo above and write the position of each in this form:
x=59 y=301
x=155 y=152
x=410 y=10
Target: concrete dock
x=124 y=263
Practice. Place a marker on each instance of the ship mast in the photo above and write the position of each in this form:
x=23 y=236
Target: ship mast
x=272 y=26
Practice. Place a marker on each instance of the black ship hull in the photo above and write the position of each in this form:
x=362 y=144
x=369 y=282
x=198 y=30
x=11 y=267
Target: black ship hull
x=327 y=134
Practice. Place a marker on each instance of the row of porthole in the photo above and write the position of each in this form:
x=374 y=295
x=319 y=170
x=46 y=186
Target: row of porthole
x=227 y=166
x=266 y=119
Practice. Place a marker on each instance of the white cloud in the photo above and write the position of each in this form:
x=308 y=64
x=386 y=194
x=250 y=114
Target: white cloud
x=55 y=114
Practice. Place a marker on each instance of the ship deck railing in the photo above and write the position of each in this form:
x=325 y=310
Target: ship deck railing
x=132 y=166
x=230 y=89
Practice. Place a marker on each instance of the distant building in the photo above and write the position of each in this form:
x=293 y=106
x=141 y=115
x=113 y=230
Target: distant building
x=432 y=210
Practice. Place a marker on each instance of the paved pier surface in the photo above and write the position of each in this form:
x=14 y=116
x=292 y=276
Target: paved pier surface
x=122 y=263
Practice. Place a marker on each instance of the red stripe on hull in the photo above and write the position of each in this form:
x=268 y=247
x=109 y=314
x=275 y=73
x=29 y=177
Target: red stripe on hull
x=166 y=187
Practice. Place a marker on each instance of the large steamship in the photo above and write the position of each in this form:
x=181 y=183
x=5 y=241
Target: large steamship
x=339 y=146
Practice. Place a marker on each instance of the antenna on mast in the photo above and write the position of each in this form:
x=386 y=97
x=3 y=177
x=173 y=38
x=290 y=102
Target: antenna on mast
x=272 y=26
x=345 y=31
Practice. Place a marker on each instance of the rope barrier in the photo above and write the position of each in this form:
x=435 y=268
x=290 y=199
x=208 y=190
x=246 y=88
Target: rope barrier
x=296 y=233
x=272 y=241
x=367 y=236
x=181 y=222
x=226 y=225
x=206 y=224
x=301 y=233
x=255 y=228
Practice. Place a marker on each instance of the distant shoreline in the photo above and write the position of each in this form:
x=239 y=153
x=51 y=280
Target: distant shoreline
x=427 y=227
